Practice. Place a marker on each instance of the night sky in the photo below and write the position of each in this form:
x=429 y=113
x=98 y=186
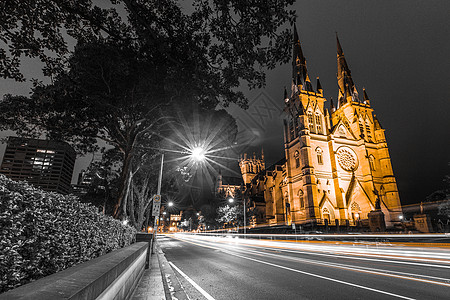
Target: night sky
x=398 y=50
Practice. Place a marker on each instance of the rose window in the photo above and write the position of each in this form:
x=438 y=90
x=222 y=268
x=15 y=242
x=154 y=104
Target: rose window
x=347 y=159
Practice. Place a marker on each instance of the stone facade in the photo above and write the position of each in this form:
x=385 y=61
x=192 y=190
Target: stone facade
x=337 y=166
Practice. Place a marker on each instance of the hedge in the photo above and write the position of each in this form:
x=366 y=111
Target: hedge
x=42 y=233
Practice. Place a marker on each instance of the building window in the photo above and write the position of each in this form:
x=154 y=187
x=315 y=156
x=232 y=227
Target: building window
x=291 y=130
x=372 y=162
x=318 y=123
x=341 y=131
x=297 y=159
x=361 y=129
x=311 y=121
x=326 y=215
x=356 y=211
x=319 y=156
x=369 y=135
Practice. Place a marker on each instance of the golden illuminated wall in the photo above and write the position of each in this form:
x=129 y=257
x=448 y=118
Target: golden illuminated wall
x=337 y=166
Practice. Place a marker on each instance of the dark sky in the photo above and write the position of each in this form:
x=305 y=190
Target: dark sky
x=398 y=50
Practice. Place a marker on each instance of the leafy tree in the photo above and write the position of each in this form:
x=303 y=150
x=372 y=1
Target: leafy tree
x=232 y=215
x=130 y=69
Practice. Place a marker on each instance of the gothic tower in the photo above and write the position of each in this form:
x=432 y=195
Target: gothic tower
x=251 y=166
x=337 y=167
x=306 y=116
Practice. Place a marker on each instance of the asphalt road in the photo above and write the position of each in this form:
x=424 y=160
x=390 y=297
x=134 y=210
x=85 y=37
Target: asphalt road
x=230 y=268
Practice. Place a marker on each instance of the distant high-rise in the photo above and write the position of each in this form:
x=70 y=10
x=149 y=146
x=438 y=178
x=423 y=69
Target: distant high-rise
x=46 y=164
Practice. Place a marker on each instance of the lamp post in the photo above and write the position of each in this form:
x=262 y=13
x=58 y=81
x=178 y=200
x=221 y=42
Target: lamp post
x=231 y=200
x=198 y=154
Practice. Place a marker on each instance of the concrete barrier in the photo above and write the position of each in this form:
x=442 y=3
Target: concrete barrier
x=112 y=276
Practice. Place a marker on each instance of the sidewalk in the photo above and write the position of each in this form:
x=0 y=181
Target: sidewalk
x=159 y=282
x=151 y=285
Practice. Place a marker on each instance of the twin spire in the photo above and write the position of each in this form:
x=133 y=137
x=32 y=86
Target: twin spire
x=299 y=72
x=300 y=77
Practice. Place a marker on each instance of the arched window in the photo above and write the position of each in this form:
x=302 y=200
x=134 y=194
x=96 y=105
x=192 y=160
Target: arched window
x=361 y=128
x=372 y=162
x=319 y=156
x=291 y=129
x=356 y=211
x=300 y=198
x=310 y=121
x=318 y=123
x=326 y=214
x=341 y=131
x=369 y=134
x=297 y=159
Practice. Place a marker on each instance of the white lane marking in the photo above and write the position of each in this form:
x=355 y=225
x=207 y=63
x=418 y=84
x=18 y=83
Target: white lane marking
x=347 y=255
x=401 y=275
x=319 y=276
x=307 y=273
x=204 y=293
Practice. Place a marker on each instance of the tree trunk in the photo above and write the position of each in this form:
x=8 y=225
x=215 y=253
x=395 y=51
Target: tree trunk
x=123 y=183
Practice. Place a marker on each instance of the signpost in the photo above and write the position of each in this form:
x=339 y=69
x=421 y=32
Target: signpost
x=157 y=203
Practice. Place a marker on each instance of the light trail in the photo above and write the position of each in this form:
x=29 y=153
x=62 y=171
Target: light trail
x=375 y=271
x=420 y=255
x=302 y=272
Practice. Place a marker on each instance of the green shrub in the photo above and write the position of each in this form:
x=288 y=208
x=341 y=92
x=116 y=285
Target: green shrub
x=42 y=233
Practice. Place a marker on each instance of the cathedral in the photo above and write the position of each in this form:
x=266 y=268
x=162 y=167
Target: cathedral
x=336 y=169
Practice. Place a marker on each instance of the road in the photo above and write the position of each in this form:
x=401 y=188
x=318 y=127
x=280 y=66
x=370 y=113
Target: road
x=231 y=268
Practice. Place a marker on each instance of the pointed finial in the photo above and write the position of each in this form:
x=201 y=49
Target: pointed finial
x=295 y=33
x=286 y=98
x=333 y=109
x=338 y=44
x=376 y=122
x=365 y=97
x=319 y=86
x=262 y=153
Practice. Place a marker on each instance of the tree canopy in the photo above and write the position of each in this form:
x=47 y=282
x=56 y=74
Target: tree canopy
x=134 y=62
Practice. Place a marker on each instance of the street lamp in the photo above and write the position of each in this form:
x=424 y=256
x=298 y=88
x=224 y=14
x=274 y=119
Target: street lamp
x=231 y=200
x=196 y=153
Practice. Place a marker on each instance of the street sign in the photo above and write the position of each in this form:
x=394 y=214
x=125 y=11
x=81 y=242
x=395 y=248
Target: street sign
x=156 y=205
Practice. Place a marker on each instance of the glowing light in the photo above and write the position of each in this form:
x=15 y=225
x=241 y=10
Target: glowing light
x=170 y=204
x=400 y=217
x=125 y=222
x=231 y=200
x=164 y=213
x=198 y=154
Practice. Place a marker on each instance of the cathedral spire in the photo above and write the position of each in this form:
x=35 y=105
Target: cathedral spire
x=299 y=71
x=347 y=89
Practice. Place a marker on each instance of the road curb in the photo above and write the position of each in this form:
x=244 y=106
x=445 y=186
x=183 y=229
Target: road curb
x=172 y=286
